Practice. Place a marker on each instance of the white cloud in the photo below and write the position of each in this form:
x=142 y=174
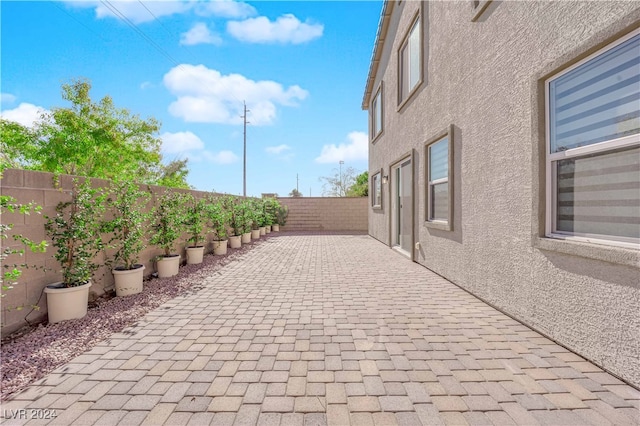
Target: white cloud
x=199 y=34
x=7 y=98
x=206 y=96
x=277 y=149
x=25 y=114
x=175 y=143
x=222 y=157
x=225 y=9
x=356 y=149
x=137 y=12
x=286 y=29
x=146 y=85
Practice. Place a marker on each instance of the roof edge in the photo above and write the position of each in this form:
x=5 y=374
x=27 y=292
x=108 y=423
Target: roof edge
x=381 y=34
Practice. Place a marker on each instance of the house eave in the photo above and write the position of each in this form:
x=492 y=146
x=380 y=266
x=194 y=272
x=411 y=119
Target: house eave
x=381 y=35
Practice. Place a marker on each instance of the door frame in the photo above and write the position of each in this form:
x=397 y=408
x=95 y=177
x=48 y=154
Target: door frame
x=391 y=181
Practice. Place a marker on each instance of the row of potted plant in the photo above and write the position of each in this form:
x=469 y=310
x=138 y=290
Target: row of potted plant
x=119 y=221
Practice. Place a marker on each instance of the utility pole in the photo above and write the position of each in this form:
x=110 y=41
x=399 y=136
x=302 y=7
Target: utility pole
x=244 y=169
x=297 y=181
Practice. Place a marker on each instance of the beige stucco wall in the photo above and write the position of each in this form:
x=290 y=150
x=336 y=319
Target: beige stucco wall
x=486 y=78
x=38 y=187
x=348 y=214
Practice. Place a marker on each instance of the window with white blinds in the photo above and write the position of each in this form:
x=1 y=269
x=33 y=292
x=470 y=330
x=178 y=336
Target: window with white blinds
x=593 y=157
x=410 y=62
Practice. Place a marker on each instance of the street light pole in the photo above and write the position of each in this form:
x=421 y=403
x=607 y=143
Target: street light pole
x=341 y=189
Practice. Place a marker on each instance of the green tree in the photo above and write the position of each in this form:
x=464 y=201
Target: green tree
x=17 y=145
x=336 y=185
x=295 y=193
x=94 y=139
x=361 y=186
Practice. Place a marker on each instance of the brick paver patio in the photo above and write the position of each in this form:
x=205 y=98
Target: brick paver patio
x=329 y=329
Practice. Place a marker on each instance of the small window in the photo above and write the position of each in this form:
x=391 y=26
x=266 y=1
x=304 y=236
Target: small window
x=376 y=190
x=438 y=185
x=410 y=62
x=593 y=148
x=376 y=115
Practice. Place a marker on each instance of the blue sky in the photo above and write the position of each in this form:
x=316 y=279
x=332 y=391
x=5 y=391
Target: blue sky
x=301 y=67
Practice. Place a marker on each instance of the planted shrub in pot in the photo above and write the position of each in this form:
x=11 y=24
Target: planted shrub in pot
x=271 y=209
x=219 y=216
x=281 y=215
x=237 y=221
x=167 y=227
x=75 y=233
x=127 y=204
x=195 y=220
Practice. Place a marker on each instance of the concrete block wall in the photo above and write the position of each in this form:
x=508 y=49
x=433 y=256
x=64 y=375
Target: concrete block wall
x=341 y=214
x=38 y=187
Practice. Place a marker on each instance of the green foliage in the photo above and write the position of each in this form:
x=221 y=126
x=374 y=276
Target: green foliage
x=127 y=205
x=219 y=216
x=17 y=145
x=12 y=272
x=360 y=187
x=195 y=218
x=168 y=221
x=295 y=193
x=271 y=206
x=75 y=233
x=257 y=213
x=281 y=215
x=94 y=139
x=337 y=184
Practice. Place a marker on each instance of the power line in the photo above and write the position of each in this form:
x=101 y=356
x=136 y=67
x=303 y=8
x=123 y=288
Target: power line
x=141 y=33
x=78 y=21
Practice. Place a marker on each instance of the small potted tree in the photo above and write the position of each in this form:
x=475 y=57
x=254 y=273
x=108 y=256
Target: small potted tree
x=253 y=218
x=167 y=225
x=218 y=214
x=271 y=208
x=195 y=223
x=281 y=216
x=127 y=204
x=75 y=233
x=236 y=221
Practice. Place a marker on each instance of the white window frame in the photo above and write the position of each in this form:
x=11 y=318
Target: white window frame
x=415 y=26
x=447 y=224
x=600 y=147
x=376 y=181
x=377 y=103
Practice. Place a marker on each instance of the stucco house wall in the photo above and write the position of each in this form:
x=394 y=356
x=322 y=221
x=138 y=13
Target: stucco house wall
x=486 y=80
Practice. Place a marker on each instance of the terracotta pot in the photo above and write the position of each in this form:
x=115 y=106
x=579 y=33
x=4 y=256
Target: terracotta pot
x=195 y=255
x=168 y=266
x=65 y=303
x=220 y=247
x=255 y=234
x=128 y=281
x=235 y=241
x=263 y=230
x=275 y=228
x=246 y=238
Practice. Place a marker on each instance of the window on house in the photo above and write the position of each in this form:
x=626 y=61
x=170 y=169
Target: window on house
x=438 y=181
x=410 y=60
x=376 y=114
x=593 y=151
x=376 y=190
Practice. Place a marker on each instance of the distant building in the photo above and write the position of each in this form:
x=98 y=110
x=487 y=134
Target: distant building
x=505 y=156
x=269 y=195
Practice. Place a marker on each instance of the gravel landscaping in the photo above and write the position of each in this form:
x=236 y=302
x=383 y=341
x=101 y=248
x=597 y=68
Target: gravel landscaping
x=33 y=355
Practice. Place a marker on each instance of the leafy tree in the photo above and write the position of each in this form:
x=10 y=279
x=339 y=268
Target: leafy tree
x=361 y=186
x=295 y=193
x=336 y=185
x=94 y=139
x=17 y=145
